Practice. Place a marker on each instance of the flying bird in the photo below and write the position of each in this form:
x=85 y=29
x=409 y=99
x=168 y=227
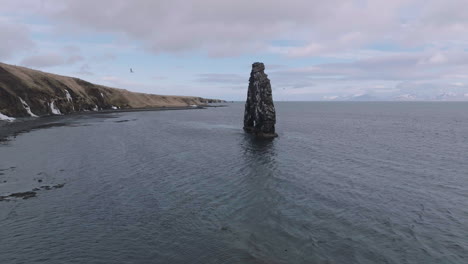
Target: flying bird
x=131 y=70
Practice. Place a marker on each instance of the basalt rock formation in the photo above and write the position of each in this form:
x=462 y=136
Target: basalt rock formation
x=260 y=114
x=30 y=93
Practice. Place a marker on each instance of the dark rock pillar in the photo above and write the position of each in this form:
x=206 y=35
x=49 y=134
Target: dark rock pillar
x=260 y=115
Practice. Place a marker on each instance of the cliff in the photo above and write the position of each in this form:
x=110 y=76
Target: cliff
x=25 y=92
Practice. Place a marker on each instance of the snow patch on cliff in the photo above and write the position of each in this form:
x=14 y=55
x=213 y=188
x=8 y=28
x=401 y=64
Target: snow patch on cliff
x=26 y=106
x=68 y=95
x=70 y=99
x=54 y=109
x=6 y=118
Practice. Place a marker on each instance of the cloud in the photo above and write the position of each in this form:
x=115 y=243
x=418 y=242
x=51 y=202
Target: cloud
x=104 y=57
x=397 y=66
x=71 y=49
x=85 y=69
x=45 y=60
x=407 y=49
x=425 y=75
x=458 y=84
x=221 y=28
x=65 y=55
x=218 y=78
x=121 y=82
x=15 y=38
x=50 y=60
x=432 y=90
x=74 y=59
x=159 y=77
x=330 y=97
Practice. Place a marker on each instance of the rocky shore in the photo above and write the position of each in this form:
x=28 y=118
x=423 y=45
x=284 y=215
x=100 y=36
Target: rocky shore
x=22 y=125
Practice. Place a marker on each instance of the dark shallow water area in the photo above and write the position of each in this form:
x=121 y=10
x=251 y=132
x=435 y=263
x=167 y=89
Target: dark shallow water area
x=343 y=183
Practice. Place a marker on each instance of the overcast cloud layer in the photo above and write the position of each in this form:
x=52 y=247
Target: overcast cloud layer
x=313 y=50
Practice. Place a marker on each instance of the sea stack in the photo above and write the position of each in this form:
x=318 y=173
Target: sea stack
x=260 y=115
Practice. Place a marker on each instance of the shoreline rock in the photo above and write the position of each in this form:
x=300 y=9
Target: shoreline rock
x=23 y=195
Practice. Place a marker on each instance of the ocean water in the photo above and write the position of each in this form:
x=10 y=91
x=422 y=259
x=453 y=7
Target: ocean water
x=343 y=183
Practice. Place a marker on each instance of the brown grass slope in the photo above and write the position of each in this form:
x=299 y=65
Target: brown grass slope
x=43 y=91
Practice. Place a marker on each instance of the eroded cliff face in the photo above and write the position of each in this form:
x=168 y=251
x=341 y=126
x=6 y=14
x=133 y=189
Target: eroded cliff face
x=28 y=93
x=260 y=114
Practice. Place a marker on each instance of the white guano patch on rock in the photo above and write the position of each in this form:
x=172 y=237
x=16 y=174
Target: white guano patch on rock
x=26 y=106
x=6 y=118
x=54 y=109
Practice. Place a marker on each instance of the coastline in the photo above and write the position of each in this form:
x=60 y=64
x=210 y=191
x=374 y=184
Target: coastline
x=26 y=124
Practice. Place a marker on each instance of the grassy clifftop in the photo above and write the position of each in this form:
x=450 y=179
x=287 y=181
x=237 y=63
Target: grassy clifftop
x=25 y=92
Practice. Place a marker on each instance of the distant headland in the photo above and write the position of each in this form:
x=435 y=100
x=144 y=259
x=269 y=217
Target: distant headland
x=30 y=93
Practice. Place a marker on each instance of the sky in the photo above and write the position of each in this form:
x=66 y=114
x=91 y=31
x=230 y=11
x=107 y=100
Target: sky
x=313 y=50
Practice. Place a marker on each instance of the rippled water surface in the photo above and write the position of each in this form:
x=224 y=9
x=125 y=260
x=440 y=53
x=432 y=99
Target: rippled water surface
x=343 y=183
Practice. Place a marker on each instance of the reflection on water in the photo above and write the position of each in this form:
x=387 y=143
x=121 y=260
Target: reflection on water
x=258 y=146
x=262 y=204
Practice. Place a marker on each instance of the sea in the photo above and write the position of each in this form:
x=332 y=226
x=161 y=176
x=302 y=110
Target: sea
x=345 y=182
